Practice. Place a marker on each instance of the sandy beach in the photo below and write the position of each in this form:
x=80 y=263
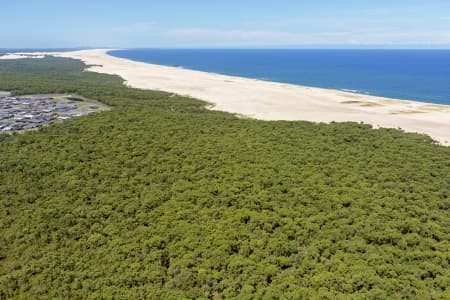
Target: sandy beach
x=20 y=56
x=270 y=100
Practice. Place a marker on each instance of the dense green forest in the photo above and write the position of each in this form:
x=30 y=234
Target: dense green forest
x=160 y=198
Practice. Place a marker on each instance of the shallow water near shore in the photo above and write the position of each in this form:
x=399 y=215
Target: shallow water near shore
x=422 y=75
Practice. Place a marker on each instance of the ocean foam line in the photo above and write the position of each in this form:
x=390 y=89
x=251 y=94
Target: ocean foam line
x=351 y=91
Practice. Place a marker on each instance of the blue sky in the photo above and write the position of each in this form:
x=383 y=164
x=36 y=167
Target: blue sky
x=230 y=23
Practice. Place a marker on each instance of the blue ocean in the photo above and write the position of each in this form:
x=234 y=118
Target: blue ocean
x=422 y=75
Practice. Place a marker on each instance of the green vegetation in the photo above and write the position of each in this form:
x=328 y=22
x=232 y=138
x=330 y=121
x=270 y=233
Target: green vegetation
x=160 y=198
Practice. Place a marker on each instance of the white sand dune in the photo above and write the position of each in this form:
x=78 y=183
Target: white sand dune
x=20 y=56
x=273 y=101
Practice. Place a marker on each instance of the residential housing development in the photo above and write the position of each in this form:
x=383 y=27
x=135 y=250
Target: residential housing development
x=28 y=112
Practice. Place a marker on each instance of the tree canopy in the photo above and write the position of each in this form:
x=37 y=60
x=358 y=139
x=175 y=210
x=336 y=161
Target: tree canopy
x=160 y=198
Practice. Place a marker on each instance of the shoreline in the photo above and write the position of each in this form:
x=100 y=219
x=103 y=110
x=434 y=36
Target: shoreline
x=266 y=100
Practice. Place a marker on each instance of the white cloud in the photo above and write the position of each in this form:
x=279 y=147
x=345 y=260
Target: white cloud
x=151 y=34
x=368 y=36
x=139 y=27
x=256 y=37
x=221 y=35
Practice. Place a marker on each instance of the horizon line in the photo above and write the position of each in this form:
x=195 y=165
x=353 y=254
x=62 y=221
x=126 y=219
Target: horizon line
x=374 y=47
